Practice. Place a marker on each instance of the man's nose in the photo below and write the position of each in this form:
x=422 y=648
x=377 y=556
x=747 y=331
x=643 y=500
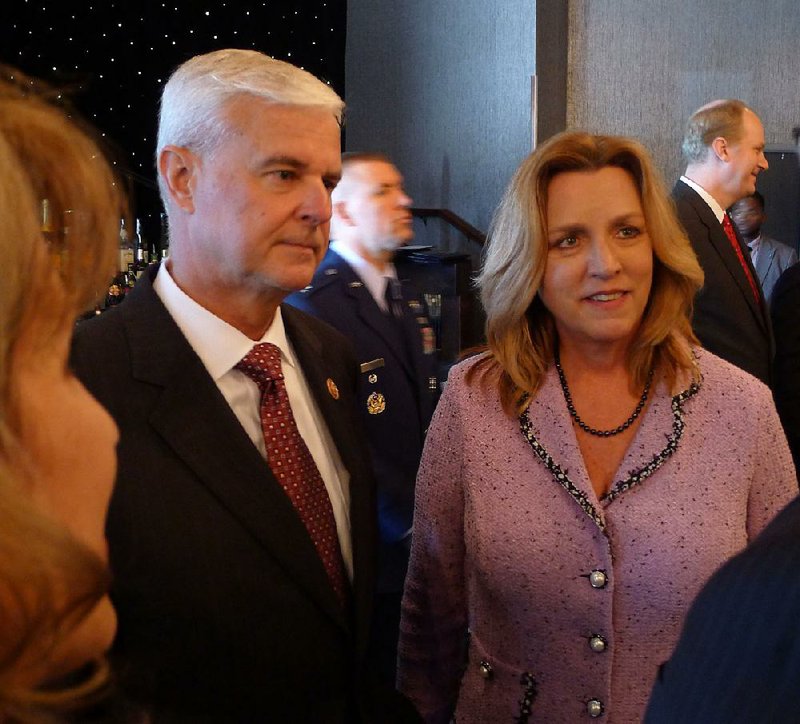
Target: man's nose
x=316 y=205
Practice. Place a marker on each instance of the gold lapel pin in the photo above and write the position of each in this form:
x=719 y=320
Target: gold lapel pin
x=376 y=403
x=332 y=388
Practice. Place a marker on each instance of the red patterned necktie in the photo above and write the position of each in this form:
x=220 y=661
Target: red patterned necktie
x=292 y=463
x=731 y=234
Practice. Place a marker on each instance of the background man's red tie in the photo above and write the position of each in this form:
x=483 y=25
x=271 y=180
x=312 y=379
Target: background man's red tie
x=737 y=247
x=292 y=463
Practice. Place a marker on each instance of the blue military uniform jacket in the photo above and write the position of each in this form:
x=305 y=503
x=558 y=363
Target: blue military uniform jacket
x=398 y=389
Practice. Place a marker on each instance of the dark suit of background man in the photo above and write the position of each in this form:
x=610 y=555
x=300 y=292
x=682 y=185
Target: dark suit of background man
x=724 y=148
x=356 y=290
x=770 y=257
x=226 y=611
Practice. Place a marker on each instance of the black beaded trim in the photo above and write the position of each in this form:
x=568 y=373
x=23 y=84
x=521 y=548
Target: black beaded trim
x=528 y=697
x=636 y=477
x=557 y=472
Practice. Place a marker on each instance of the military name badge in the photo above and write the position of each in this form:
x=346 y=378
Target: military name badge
x=376 y=403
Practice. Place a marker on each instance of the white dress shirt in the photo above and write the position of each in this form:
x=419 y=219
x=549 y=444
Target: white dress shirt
x=220 y=347
x=374 y=280
x=754 y=246
x=719 y=212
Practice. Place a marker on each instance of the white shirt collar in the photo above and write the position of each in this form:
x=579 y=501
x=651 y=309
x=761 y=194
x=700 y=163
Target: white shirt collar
x=719 y=212
x=374 y=280
x=219 y=345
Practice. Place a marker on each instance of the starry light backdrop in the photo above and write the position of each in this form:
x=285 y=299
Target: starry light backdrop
x=114 y=56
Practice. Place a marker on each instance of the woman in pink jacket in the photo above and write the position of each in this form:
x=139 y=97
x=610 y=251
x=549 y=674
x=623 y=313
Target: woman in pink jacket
x=587 y=473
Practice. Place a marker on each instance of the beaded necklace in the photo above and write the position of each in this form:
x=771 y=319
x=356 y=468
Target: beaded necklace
x=591 y=430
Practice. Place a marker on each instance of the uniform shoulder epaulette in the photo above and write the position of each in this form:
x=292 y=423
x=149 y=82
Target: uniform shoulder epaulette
x=321 y=280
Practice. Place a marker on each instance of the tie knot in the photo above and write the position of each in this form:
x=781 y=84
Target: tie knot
x=262 y=364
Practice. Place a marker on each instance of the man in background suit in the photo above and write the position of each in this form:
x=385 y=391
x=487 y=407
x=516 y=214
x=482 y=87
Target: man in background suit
x=724 y=148
x=357 y=291
x=769 y=256
x=240 y=596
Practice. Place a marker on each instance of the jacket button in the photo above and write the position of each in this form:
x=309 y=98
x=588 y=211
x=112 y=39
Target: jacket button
x=486 y=670
x=597 y=644
x=594 y=708
x=598 y=579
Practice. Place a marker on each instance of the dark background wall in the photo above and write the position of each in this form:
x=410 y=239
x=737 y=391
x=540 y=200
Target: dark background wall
x=444 y=86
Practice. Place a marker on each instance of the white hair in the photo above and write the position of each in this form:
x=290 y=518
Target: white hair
x=199 y=89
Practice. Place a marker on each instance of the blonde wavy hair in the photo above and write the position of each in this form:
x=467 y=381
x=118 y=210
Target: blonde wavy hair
x=48 y=580
x=520 y=332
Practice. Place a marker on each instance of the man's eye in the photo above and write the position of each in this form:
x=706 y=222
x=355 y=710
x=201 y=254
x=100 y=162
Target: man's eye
x=283 y=174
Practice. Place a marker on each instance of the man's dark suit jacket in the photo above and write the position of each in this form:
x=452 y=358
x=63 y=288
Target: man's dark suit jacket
x=225 y=610
x=738 y=658
x=785 y=310
x=406 y=380
x=727 y=319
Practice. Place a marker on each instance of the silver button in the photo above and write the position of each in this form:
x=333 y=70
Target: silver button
x=598 y=579
x=597 y=644
x=594 y=707
x=486 y=669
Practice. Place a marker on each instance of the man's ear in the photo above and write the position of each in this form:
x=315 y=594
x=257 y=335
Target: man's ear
x=340 y=209
x=720 y=148
x=178 y=168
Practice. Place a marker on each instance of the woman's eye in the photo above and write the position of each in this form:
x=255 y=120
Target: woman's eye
x=568 y=242
x=629 y=232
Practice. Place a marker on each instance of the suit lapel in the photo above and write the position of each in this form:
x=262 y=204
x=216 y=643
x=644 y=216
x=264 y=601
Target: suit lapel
x=198 y=425
x=766 y=256
x=722 y=245
x=319 y=366
x=369 y=312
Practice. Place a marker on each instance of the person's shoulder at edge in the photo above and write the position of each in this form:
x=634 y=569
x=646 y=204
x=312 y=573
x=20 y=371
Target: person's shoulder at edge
x=331 y=272
x=719 y=373
x=789 y=279
x=318 y=327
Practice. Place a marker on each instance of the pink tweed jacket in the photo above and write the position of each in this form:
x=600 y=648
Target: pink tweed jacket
x=566 y=604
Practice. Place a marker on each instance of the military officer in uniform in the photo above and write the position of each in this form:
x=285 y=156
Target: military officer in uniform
x=357 y=291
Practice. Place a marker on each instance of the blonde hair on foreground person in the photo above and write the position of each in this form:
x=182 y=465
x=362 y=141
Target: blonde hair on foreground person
x=57 y=445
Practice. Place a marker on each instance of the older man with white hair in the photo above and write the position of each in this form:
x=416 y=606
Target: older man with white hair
x=242 y=526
